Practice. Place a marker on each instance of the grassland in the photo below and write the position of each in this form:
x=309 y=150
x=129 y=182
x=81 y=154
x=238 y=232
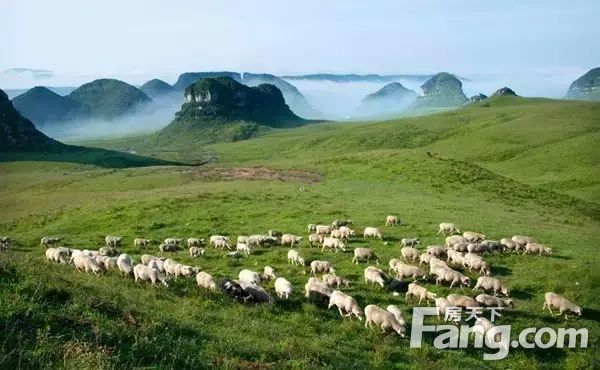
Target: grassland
x=511 y=166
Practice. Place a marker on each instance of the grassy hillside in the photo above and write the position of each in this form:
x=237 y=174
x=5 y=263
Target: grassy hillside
x=508 y=166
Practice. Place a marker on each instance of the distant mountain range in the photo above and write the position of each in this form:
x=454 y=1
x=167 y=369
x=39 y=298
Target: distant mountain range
x=392 y=98
x=157 y=88
x=442 y=90
x=586 y=87
x=356 y=77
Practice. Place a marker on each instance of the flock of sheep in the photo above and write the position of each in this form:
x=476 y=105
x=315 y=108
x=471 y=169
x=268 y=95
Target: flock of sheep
x=461 y=250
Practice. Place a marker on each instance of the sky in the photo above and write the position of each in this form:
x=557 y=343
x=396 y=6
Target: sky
x=68 y=42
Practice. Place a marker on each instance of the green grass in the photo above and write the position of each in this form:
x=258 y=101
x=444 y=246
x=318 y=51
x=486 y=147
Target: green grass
x=516 y=166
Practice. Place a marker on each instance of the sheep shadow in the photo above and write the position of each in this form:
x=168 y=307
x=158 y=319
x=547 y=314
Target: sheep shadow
x=521 y=294
x=501 y=270
x=559 y=257
x=591 y=314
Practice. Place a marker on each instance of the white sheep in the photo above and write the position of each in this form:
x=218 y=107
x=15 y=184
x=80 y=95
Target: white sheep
x=175 y=241
x=214 y=238
x=125 y=264
x=334 y=280
x=113 y=241
x=521 y=241
x=294 y=257
x=364 y=254
x=47 y=241
x=269 y=273
x=146 y=258
x=87 y=264
x=333 y=243
x=457 y=300
x=323 y=229
x=249 y=276
x=436 y=251
x=315 y=285
x=195 y=242
x=395 y=310
x=403 y=270
x=312 y=227
x=479 y=248
x=206 y=281
x=487 y=283
x=196 y=252
x=243 y=248
x=382 y=319
x=375 y=276
x=391 y=220
x=455 y=239
x=346 y=305
x=51 y=254
x=491 y=301
x=283 y=288
x=415 y=290
x=145 y=273
x=242 y=239
x=441 y=305
x=461 y=247
x=141 y=242
x=410 y=254
x=290 y=239
x=173 y=268
x=451 y=276
x=447 y=227
x=108 y=251
x=410 y=242
x=425 y=258
x=474 y=237
x=455 y=257
x=346 y=232
x=322 y=267
x=535 y=248
x=392 y=264
x=508 y=244
x=553 y=300
x=157 y=265
x=315 y=239
x=372 y=232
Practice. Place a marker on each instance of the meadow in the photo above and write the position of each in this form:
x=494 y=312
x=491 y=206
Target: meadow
x=510 y=166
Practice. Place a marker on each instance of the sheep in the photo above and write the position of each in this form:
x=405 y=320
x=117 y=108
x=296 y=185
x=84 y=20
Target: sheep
x=393 y=262
x=447 y=227
x=206 y=281
x=338 y=223
x=113 y=241
x=455 y=239
x=322 y=267
x=110 y=262
x=403 y=270
x=535 y=248
x=338 y=234
x=410 y=253
x=372 y=232
x=62 y=254
x=508 y=244
x=436 y=251
x=242 y=239
x=477 y=264
x=222 y=243
x=493 y=245
x=436 y=262
x=162 y=248
x=269 y=273
x=478 y=248
x=242 y=248
x=175 y=269
x=375 y=276
x=395 y=310
x=257 y=293
x=451 y=276
x=294 y=257
x=441 y=305
x=157 y=265
x=323 y=229
x=175 y=241
x=145 y=273
x=407 y=242
x=47 y=241
x=474 y=237
x=316 y=286
x=455 y=257
x=487 y=283
x=333 y=243
x=214 y=238
x=283 y=288
x=235 y=290
x=491 y=301
x=482 y=326
x=345 y=304
x=331 y=280
x=425 y=258
x=364 y=254
x=315 y=239
x=391 y=220
x=553 y=300
x=108 y=251
x=420 y=292
x=290 y=239
x=274 y=233
x=195 y=242
x=457 y=300
x=87 y=264
x=312 y=227
x=521 y=241
x=461 y=247
x=259 y=240
x=196 y=252
x=51 y=254
x=383 y=319
x=125 y=264
x=141 y=242
x=249 y=276
x=146 y=258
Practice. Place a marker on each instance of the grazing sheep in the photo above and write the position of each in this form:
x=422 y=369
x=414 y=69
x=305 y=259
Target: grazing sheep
x=451 y=276
x=269 y=273
x=315 y=239
x=461 y=247
x=173 y=268
x=206 y=281
x=393 y=262
x=395 y=310
x=483 y=325
x=338 y=223
x=455 y=239
x=222 y=243
x=162 y=248
x=283 y=288
x=346 y=305
x=420 y=292
x=331 y=280
x=535 y=248
x=125 y=264
x=478 y=248
x=235 y=291
x=391 y=221
x=322 y=267
x=491 y=301
x=553 y=300
x=242 y=248
x=410 y=253
x=347 y=232
x=214 y=238
x=508 y=244
x=175 y=241
x=258 y=294
x=457 y=300
x=425 y=258
x=434 y=261
x=274 y=233
x=146 y=258
x=382 y=319
x=47 y=241
x=372 y=232
x=364 y=254
x=157 y=265
x=407 y=242
x=294 y=257
x=290 y=239
x=316 y=286
x=337 y=234
x=87 y=264
x=108 y=251
x=487 y=283
x=145 y=273
x=493 y=245
x=403 y=270
x=312 y=227
x=113 y=241
x=436 y=251
x=375 y=276
x=141 y=242
x=455 y=257
x=196 y=252
x=478 y=264
x=447 y=227
x=249 y=276
x=474 y=237
x=442 y=304
x=259 y=240
x=333 y=243
x=242 y=239
x=521 y=241
x=323 y=229
x=51 y=254
x=195 y=242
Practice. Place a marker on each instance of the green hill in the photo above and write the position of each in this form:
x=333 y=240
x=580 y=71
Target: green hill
x=42 y=106
x=186 y=79
x=392 y=98
x=157 y=88
x=586 y=87
x=443 y=90
x=108 y=98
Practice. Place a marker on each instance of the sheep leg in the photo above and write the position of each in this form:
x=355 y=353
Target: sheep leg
x=341 y=313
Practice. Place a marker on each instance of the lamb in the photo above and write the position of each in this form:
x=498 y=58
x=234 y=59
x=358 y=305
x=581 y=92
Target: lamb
x=157 y=265
x=167 y=248
x=403 y=270
x=391 y=221
x=442 y=304
x=196 y=252
x=87 y=264
x=553 y=300
x=257 y=294
x=222 y=243
x=338 y=223
x=141 y=242
x=521 y=241
x=491 y=301
x=322 y=267
x=323 y=229
x=447 y=227
x=113 y=241
x=406 y=242
x=294 y=257
x=508 y=244
x=108 y=251
x=436 y=251
x=487 y=283
x=383 y=319
x=214 y=238
x=283 y=288
x=410 y=253
x=375 y=276
x=455 y=239
x=125 y=264
x=242 y=239
x=457 y=300
x=452 y=276
x=145 y=273
x=194 y=242
x=312 y=227
x=269 y=273
x=345 y=304
x=474 y=237
x=346 y=232
x=206 y=281
x=146 y=258
x=290 y=239
x=333 y=243
x=316 y=286
x=535 y=248
x=47 y=241
x=372 y=232
x=364 y=254
x=315 y=239
x=249 y=276
x=175 y=241
x=420 y=292
x=242 y=248
x=331 y=280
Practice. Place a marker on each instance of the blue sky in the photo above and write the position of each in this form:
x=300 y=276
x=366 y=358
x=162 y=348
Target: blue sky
x=136 y=40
